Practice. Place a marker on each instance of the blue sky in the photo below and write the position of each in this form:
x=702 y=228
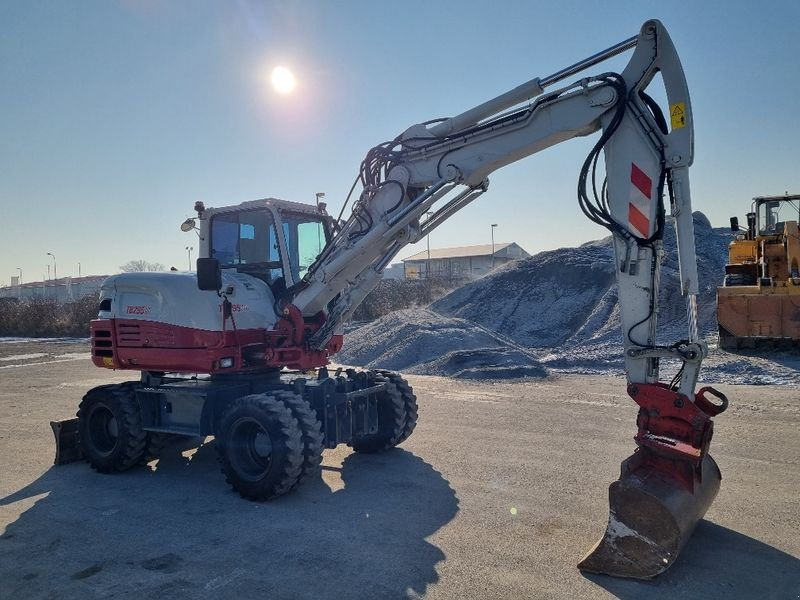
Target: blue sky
x=116 y=116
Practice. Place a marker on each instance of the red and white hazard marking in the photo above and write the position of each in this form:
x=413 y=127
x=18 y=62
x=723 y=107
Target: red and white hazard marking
x=640 y=198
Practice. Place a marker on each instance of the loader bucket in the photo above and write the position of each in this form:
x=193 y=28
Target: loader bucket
x=68 y=445
x=651 y=517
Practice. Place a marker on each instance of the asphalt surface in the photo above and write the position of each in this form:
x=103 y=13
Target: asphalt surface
x=498 y=494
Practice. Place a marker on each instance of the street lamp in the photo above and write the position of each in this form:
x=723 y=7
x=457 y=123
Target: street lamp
x=55 y=272
x=79 y=269
x=20 y=274
x=189 y=250
x=493 y=226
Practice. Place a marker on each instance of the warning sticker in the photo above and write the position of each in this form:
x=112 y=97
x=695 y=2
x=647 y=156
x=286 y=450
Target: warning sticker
x=677 y=113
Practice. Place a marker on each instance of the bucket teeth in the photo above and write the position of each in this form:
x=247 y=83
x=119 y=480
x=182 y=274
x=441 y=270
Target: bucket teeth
x=651 y=518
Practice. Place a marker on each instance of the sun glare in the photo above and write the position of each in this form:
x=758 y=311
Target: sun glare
x=283 y=80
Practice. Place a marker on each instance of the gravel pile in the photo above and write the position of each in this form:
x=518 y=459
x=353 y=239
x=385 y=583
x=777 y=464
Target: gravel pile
x=424 y=342
x=557 y=311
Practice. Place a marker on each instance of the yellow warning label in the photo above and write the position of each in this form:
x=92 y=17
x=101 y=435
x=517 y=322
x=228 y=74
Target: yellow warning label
x=677 y=113
x=108 y=362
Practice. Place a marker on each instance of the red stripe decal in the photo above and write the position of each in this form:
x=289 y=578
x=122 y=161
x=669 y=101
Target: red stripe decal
x=640 y=179
x=638 y=220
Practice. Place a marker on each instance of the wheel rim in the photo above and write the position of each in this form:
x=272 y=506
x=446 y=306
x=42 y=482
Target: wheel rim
x=249 y=449
x=103 y=429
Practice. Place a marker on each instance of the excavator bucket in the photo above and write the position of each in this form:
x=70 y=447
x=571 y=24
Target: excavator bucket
x=68 y=445
x=664 y=488
x=651 y=517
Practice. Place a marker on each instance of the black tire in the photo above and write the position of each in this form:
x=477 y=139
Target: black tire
x=310 y=433
x=391 y=421
x=260 y=447
x=110 y=428
x=409 y=403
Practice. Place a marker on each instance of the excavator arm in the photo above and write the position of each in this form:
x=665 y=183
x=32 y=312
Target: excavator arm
x=413 y=183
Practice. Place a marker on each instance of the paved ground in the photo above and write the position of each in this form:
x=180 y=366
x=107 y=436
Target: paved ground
x=498 y=494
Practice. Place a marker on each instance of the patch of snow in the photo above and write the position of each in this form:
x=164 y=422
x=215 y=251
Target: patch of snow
x=23 y=356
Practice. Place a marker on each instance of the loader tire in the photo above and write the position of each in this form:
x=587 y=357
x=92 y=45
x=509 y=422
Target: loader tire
x=260 y=447
x=391 y=421
x=409 y=403
x=110 y=428
x=310 y=433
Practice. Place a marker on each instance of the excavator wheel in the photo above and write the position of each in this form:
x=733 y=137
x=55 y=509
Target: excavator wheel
x=110 y=428
x=260 y=447
x=409 y=403
x=391 y=421
x=310 y=432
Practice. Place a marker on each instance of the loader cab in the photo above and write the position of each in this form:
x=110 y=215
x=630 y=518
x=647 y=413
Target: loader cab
x=275 y=241
x=772 y=213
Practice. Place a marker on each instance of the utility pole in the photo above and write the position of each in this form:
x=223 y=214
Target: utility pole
x=493 y=226
x=79 y=269
x=20 y=275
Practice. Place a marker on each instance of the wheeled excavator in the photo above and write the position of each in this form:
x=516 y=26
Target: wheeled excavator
x=240 y=349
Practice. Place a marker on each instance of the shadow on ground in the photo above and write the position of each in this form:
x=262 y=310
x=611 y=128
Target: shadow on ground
x=179 y=531
x=717 y=563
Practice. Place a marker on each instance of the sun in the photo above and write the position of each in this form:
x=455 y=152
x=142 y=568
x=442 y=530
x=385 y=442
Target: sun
x=283 y=80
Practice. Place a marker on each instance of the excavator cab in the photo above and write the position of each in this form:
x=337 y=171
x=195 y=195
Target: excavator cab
x=272 y=240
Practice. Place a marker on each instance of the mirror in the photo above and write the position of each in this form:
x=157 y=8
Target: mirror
x=209 y=275
x=734 y=223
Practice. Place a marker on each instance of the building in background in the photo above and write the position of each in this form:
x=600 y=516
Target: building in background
x=465 y=262
x=61 y=290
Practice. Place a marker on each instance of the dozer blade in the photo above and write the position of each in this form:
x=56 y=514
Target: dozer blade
x=651 y=517
x=68 y=445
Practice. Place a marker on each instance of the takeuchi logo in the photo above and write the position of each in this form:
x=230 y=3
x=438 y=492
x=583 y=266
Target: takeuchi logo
x=138 y=309
x=236 y=307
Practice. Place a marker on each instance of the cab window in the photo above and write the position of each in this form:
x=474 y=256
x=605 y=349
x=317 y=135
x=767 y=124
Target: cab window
x=247 y=241
x=305 y=239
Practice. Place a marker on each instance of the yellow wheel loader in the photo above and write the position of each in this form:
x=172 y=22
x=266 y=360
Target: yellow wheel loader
x=759 y=301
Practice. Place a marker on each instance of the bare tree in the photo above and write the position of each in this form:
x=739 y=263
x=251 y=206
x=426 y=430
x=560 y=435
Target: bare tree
x=136 y=266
